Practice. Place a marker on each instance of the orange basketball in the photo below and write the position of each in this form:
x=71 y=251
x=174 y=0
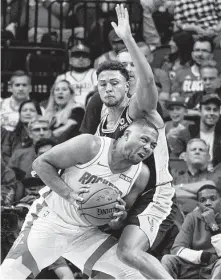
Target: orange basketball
x=99 y=204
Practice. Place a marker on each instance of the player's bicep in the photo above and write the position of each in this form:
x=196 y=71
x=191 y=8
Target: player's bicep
x=78 y=150
x=138 y=187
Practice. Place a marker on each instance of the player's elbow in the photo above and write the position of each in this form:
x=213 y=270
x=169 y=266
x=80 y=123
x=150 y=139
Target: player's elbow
x=38 y=164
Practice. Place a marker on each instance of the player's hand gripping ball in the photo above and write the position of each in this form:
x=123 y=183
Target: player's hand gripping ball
x=98 y=205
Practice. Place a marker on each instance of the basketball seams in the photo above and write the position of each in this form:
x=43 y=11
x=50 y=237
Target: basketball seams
x=98 y=206
x=107 y=188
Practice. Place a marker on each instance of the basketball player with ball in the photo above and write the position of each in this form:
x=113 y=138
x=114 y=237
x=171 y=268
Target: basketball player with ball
x=63 y=221
x=99 y=181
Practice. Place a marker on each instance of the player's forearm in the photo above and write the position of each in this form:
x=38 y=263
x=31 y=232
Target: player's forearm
x=49 y=175
x=144 y=72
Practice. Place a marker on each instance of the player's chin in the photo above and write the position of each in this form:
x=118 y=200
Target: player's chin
x=111 y=104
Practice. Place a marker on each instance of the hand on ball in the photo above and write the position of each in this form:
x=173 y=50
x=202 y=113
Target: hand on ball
x=76 y=196
x=121 y=213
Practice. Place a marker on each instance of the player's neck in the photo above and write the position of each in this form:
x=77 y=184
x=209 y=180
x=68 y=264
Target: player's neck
x=116 y=162
x=115 y=111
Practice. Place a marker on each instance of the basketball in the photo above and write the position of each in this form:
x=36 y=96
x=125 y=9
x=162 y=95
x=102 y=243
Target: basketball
x=98 y=205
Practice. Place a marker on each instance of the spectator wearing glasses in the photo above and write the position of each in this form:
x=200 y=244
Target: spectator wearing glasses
x=188 y=80
x=81 y=76
x=19 y=138
x=21 y=160
x=211 y=83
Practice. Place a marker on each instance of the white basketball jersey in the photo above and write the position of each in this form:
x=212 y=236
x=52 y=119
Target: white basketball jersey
x=97 y=170
x=161 y=158
x=83 y=83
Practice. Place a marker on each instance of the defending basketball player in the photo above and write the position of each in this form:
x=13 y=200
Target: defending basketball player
x=53 y=226
x=152 y=215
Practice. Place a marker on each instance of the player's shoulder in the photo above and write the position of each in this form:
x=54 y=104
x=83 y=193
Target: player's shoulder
x=90 y=142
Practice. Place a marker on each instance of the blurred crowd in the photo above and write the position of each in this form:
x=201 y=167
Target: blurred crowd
x=181 y=39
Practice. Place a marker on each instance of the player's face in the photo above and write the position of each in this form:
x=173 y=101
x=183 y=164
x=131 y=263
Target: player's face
x=112 y=87
x=210 y=79
x=197 y=154
x=201 y=51
x=177 y=113
x=126 y=60
x=20 y=88
x=62 y=94
x=210 y=114
x=210 y=199
x=140 y=143
x=28 y=112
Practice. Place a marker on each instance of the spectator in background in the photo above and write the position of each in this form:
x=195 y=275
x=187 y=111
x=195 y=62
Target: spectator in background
x=150 y=33
x=197 y=160
x=196 y=251
x=19 y=138
x=161 y=77
x=82 y=77
x=64 y=125
x=11 y=189
x=32 y=183
x=201 y=17
x=188 y=180
x=116 y=45
x=20 y=87
x=206 y=129
x=176 y=109
x=21 y=160
x=188 y=81
x=181 y=47
x=211 y=82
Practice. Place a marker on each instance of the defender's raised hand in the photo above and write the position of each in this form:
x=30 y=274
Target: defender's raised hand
x=123 y=28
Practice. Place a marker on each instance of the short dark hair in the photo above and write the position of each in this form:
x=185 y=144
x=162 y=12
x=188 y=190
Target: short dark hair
x=43 y=142
x=205 y=39
x=20 y=73
x=208 y=187
x=36 y=104
x=142 y=122
x=115 y=66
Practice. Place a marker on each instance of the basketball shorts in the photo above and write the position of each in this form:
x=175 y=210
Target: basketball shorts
x=44 y=242
x=154 y=212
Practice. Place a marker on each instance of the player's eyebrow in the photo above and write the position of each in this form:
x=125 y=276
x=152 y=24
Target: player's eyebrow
x=112 y=79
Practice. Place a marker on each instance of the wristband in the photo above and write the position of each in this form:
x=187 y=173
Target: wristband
x=214 y=229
